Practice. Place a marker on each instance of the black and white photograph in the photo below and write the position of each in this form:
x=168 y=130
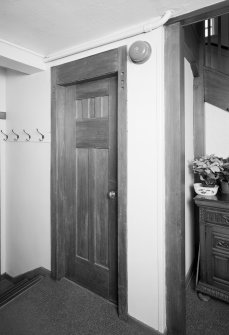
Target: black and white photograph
x=114 y=167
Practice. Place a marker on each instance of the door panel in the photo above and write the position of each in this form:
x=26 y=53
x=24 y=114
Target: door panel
x=82 y=231
x=92 y=133
x=92 y=253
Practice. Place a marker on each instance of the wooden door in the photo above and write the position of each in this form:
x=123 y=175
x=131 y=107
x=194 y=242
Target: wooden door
x=92 y=250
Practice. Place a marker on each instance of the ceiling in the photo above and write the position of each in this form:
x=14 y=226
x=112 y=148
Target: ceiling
x=48 y=26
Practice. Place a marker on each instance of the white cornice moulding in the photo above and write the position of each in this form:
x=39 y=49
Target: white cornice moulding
x=118 y=36
x=17 y=58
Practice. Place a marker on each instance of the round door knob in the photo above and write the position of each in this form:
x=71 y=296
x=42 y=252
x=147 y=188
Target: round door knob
x=112 y=195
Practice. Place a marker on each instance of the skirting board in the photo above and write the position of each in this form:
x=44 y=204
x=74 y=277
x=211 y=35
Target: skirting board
x=30 y=274
x=142 y=327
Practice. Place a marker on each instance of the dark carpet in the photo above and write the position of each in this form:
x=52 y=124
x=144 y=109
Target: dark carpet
x=206 y=318
x=61 y=308
x=4 y=285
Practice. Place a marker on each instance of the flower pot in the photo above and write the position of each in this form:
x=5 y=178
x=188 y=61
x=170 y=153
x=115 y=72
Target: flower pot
x=224 y=186
x=205 y=190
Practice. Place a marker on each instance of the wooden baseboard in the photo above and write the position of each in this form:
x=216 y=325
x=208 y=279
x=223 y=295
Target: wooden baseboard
x=29 y=274
x=142 y=327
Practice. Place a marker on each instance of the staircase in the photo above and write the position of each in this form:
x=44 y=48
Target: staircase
x=216 y=70
x=12 y=287
x=216 y=88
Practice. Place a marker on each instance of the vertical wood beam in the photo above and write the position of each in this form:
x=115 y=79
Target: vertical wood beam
x=122 y=184
x=198 y=102
x=57 y=180
x=175 y=180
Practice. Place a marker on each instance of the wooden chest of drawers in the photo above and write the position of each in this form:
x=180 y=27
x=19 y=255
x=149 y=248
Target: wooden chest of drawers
x=214 y=246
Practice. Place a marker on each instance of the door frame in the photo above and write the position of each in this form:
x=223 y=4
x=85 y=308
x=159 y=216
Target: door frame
x=175 y=163
x=105 y=64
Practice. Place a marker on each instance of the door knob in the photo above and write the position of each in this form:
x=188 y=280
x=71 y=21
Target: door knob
x=112 y=195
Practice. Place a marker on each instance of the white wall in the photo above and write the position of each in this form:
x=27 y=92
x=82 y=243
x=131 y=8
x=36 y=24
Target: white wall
x=216 y=131
x=27 y=174
x=146 y=188
x=28 y=232
x=2 y=172
x=189 y=156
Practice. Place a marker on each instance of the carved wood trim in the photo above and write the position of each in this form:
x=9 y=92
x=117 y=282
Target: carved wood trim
x=212 y=291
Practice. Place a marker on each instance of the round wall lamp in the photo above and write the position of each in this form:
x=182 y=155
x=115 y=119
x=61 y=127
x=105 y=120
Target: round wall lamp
x=140 y=52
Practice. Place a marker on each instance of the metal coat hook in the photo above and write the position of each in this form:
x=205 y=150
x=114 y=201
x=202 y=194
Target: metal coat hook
x=6 y=136
x=29 y=136
x=17 y=136
x=42 y=135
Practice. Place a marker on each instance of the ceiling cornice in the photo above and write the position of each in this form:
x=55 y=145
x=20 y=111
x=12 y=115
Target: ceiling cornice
x=18 y=58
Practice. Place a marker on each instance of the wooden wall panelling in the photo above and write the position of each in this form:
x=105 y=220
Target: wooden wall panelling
x=175 y=180
x=216 y=88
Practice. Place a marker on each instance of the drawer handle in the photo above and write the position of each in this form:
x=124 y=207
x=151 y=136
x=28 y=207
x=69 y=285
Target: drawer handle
x=226 y=218
x=223 y=244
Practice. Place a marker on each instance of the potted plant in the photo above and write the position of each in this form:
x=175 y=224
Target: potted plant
x=208 y=168
x=224 y=177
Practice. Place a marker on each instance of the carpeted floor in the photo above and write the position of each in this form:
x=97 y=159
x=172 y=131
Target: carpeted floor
x=206 y=318
x=61 y=308
x=64 y=308
x=4 y=284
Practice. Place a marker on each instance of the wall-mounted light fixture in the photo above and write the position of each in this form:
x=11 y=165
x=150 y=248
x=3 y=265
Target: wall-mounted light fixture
x=140 y=52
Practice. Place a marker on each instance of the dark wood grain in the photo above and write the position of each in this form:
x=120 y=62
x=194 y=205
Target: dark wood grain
x=122 y=184
x=57 y=179
x=201 y=14
x=87 y=68
x=198 y=98
x=93 y=133
x=100 y=208
x=111 y=63
x=87 y=89
x=93 y=260
x=82 y=203
x=214 y=245
x=68 y=172
x=191 y=48
x=175 y=180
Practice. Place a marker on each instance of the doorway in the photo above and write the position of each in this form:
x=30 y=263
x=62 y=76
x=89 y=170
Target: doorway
x=175 y=159
x=88 y=178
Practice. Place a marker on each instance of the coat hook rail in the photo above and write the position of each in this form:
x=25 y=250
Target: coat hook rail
x=26 y=136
